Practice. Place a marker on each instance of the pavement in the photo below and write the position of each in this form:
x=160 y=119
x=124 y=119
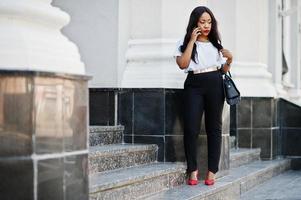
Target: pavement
x=286 y=186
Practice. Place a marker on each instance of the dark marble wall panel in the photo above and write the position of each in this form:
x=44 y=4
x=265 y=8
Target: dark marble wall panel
x=262 y=113
x=128 y=138
x=45 y=112
x=174 y=148
x=51 y=179
x=244 y=138
x=76 y=177
x=276 y=143
x=290 y=114
x=275 y=113
x=75 y=115
x=126 y=110
x=290 y=127
x=262 y=138
x=102 y=106
x=17 y=179
x=275 y=127
x=233 y=120
x=244 y=113
x=63 y=178
x=154 y=116
x=149 y=111
x=296 y=163
x=255 y=123
x=60 y=116
x=16 y=103
x=48 y=115
x=174 y=112
x=292 y=139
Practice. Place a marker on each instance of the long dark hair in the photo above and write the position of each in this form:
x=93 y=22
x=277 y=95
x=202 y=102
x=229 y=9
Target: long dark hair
x=213 y=36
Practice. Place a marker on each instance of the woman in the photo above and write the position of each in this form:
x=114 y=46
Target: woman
x=203 y=57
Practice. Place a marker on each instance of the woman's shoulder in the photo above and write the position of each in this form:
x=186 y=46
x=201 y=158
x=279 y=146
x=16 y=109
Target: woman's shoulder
x=180 y=41
x=178 y=51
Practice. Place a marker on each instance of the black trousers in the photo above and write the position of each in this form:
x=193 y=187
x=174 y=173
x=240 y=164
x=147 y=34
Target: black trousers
x=203 y=93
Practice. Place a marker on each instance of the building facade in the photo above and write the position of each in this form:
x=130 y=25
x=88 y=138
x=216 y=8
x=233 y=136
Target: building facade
x=127 y=47
x=129 y=44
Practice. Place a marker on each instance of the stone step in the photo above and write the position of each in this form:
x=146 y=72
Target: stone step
x=103 y=135
x=111 y=157
x=131 y=183
x=241 y=156
x=230 y=187
x=284 y=186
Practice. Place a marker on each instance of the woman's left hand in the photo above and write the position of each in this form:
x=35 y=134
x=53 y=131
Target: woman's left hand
x=227 y=54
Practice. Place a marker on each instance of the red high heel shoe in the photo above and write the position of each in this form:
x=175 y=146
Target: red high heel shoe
x=209 y=182
x=192 y=181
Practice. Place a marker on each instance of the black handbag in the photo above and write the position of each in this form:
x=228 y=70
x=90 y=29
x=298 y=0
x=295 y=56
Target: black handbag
x=232 y=94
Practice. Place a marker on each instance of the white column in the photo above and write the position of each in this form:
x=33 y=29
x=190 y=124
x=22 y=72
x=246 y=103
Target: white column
x=30 y=38
x=250 y=67
x=293 y=41
x=244 y=31
x=275 y=46
x=154 y=32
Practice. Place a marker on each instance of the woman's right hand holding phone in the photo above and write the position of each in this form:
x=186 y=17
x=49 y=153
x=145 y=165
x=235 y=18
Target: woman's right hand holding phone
x=184 y=60
x=195 y=33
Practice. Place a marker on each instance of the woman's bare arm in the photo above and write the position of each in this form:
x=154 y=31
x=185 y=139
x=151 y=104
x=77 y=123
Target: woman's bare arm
x=184 y=60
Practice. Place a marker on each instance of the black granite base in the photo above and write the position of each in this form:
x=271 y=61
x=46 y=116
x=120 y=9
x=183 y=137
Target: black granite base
x=102 y=106
x=295 y=163
x=154 y=116
x=17 y=179
x=274 y=125
x=43 y=131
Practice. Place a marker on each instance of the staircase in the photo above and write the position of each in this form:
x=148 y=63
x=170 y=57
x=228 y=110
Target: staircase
x=126 y=171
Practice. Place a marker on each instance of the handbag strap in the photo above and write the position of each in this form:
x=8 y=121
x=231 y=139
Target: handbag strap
x=229 y=74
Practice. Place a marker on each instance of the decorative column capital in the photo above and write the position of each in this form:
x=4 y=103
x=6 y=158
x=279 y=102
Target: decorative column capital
x=31 y=39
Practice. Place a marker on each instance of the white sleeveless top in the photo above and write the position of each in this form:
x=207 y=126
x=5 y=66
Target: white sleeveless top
x=207 y=56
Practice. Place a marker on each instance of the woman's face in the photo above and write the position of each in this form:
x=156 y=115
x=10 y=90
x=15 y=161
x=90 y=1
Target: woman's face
x=205 y=23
